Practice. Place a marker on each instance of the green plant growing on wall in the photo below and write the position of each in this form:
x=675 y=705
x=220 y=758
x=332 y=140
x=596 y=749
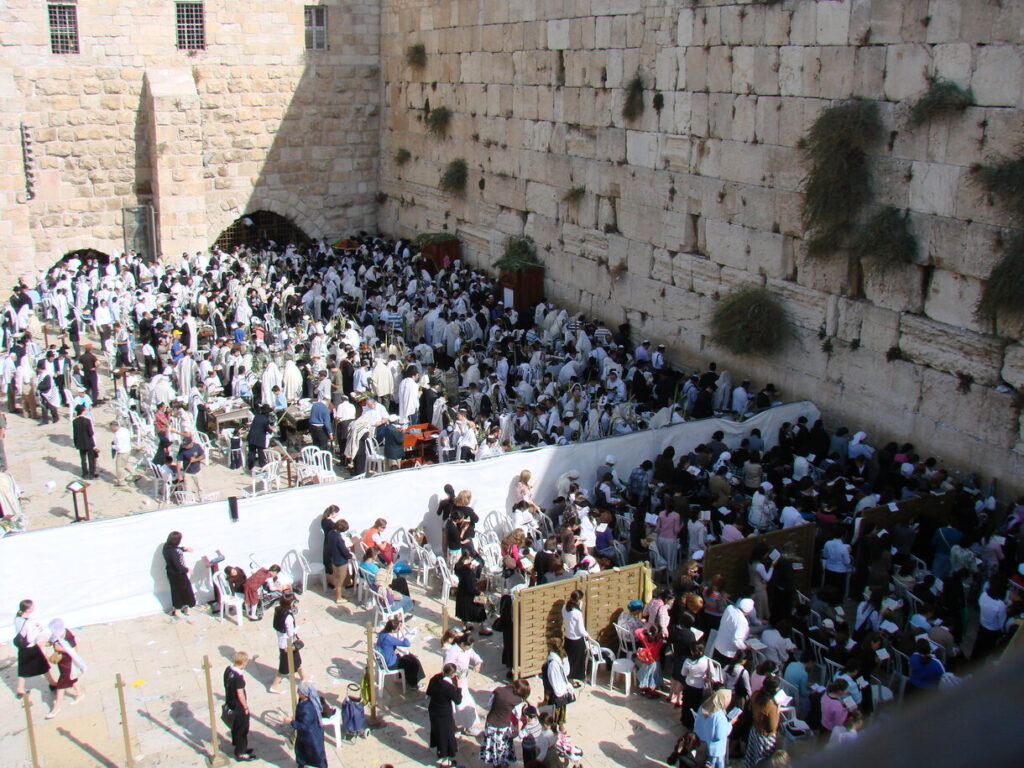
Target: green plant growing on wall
x=402 y=156
x=839 y=183
x=886 y=239
x=633 y=107
x=751 y=321
x=574 y=195
x=942 y=97
x=520 y=255
x=1003 y=179
x=416 y=56
x=453 y=180
x=438 y=120
x=1005 y=285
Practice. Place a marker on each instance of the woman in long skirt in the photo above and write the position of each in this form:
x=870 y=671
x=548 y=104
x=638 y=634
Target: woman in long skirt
x=64 y=643
x=182 y=595
x=499 y=734
x=31 y=659
x=309 y=731
x=459 y=652
x=575 y=633
x=444 y=694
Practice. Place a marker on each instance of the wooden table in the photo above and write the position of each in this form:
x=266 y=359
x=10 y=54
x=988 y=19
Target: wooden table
x=230 y=417
x=417 y=440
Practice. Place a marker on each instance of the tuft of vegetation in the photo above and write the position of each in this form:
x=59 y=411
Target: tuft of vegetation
x=520 y=255
x=633 y=107
x=1005 y=284
x=416 y=56
x=942 y=97
x=438 y=120
x=453 y=180
x=886 y=239
x=751 y=321
x=402 y=156
x=381 y=198
x=839 y=183
x=658 y=102
x=433 y=238
x=1003 y=179
x=574 y=195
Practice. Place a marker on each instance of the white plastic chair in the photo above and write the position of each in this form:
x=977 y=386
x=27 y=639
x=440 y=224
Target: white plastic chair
x=268 y=475
x=447 y=579
x=364 y=588
x=428 y=564
x=497 y=522
x=309 y=569
x=383 y=672
x=333 y=722
x=596 y=657
x=230 y=603
x=161 y=486
x=627 y=641
x=184 y=497
x=375 y=463
x=204 y=443
x=627 y=669
x=382 y=612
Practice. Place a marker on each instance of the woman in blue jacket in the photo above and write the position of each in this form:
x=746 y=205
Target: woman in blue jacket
x=713 y=727
x=309 y=730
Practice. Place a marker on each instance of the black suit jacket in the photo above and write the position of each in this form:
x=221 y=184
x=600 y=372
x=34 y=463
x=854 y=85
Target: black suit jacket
x=81 y=430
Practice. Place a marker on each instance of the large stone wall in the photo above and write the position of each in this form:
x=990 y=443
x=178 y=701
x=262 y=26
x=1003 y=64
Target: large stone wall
x=691 y=200
x=253 y=122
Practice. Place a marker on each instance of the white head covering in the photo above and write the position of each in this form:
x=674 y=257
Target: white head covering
x=58 y=635
x=859 y=437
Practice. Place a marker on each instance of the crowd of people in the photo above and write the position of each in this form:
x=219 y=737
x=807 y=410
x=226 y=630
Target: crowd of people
x=358 y=341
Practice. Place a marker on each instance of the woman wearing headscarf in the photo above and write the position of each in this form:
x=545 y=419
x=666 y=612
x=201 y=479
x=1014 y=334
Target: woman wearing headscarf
x=64 y=645
x=309 y=731
x=182 y=595
x=713 y=727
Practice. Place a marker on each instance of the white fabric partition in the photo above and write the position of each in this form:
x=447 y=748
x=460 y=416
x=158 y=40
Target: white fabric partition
x=108 y=570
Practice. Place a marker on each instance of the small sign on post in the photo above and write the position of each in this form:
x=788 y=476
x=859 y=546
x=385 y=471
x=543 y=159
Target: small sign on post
x=78 y=488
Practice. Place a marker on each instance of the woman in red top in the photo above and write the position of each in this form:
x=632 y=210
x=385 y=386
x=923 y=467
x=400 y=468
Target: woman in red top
x=648 y=652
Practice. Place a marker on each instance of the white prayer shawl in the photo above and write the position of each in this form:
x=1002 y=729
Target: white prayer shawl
x=722 y=399
x=58 y=635
x=437 y=416
x=185 y=372
x=359 y=428
x=291 y=383
x=271 y=378
x=382 y=383
x=408 y=399
x=193 y=334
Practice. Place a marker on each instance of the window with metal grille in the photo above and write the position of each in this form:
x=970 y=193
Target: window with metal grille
x=316 y=28
x=63 y=27
x=191 y=27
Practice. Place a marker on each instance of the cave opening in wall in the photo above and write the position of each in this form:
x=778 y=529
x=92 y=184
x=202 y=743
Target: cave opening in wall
x=84 y=255
x=259 y=228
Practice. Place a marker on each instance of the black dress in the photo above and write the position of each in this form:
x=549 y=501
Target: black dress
x=182 y=595
x=32 y=661
x=443 y=695
x=326 y=526
x=466 y=609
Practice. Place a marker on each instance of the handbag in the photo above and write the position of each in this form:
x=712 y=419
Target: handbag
x=645 y=656
x=327 y=711
x=563 y=701
x=55 y=657
x=297 y=644
x=20 y=642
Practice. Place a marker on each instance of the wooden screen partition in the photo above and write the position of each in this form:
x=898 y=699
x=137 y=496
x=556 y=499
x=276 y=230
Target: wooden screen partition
x=537 y=612
x=730 y=559
x=937 y=506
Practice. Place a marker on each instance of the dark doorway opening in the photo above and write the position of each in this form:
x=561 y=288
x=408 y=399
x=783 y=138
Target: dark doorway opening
x=258 y=228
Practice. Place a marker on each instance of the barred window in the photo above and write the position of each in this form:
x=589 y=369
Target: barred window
x=63 y=27
x=191 y=27
x=316 y=28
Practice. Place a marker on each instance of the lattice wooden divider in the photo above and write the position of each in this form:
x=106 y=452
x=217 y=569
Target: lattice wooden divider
x=731 y=559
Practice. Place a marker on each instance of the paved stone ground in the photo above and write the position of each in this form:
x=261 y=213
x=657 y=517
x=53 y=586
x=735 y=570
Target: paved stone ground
x=161 y=658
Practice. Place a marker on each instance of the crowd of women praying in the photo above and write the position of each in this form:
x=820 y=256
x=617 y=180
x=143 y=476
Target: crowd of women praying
x=357 y=337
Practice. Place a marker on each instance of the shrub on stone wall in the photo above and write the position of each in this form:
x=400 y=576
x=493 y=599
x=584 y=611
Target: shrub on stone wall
x=633 y=107
x=416 y=55
x=453 y=180
x=886 y=240
x=574 y=195
x=438 y=120
x=751 y=321
x=1003 y=179
x=402 y=156
x=942 y=97
x=839 y=183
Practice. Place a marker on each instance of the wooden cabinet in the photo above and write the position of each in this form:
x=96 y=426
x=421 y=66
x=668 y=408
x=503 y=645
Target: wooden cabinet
x=441 y=255
x=522 y=289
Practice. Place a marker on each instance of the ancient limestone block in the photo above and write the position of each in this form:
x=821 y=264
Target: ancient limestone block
x=952 y=61
x=837 y=72
x=558 y=34
x=950 y=349
x=685 y=28
x=706 y=275
x=727 y=244
x=906 y=69
x=803 y=29
x=680 y=305
x=998 y=75
x=791 y=70
x=833 y=22
x=953 y=298
x=933 y=188
x=719 y=69
x=972 y=410
x=1012 y=371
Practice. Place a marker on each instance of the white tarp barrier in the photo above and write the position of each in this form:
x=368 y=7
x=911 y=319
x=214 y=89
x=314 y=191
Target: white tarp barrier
x=108 y=570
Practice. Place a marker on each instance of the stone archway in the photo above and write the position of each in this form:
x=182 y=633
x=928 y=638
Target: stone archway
x=85 y=254
x=257 y=227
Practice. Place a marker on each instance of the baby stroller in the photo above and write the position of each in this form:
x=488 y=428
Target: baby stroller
x=353 y=714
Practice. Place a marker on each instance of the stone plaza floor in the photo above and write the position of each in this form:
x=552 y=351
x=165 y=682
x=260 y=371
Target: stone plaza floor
x=160 y=658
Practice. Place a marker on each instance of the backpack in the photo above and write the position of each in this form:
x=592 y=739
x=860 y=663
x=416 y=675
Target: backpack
x=45 y=384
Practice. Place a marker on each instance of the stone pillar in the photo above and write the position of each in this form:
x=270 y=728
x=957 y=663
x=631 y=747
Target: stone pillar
x=177 y=161
x=14 y=207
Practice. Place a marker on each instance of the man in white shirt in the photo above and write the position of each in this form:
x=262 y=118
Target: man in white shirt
x=733 y=631
x=122 y=447
x=837 y=562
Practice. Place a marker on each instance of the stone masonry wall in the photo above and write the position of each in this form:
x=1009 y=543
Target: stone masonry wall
x=253 y=122
x=689 y=201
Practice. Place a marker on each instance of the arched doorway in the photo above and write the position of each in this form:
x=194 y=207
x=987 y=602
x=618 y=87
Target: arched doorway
x=84 y=256
x=259 y=227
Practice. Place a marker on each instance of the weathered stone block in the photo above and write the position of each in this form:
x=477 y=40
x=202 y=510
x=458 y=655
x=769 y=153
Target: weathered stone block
x=953 y=299
x=950 y=349
x=558 y=34
x=833 y=22
x=906 y=70
x=998 y=75
x=897 y=287
x=933 y=188
x=1012 y=371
